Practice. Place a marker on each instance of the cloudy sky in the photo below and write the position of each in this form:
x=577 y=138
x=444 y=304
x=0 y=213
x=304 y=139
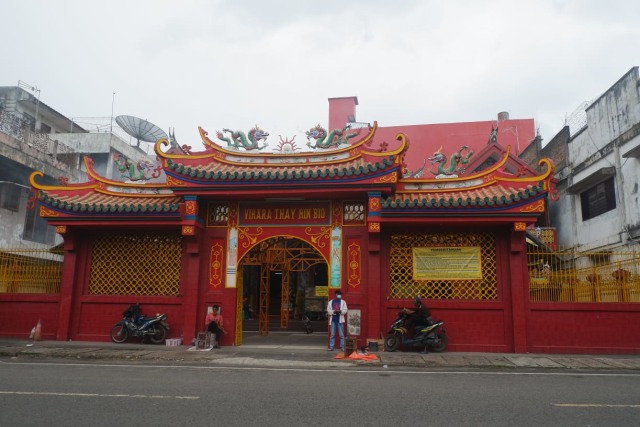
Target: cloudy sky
x=236 y=63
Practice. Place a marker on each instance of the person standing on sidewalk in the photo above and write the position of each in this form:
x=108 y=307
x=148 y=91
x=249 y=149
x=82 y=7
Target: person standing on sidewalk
x=336 y=310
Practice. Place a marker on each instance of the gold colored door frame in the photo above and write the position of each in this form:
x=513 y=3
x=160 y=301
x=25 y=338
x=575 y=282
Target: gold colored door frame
x=239 y=298
x=285 y=298
x=273 y=257
x=263 y=318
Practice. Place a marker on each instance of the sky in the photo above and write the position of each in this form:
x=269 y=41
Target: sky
x=275 y=63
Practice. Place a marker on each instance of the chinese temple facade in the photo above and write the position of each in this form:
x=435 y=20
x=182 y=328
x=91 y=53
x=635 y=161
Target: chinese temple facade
x=286 y=228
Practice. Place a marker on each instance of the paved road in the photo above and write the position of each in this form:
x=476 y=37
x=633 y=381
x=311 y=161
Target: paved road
x=36 y=392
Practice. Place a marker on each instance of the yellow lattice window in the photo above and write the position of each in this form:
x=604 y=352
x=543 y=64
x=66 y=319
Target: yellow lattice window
x=403 y=282
x=33 y=271
x=136 y=264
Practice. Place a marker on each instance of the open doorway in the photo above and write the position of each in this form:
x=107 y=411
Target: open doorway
x=282 y=279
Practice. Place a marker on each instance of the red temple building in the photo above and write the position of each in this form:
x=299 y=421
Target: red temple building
x=383 y=214
x=368 y=211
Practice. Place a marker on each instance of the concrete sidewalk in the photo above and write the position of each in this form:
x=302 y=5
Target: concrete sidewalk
x=302 y=355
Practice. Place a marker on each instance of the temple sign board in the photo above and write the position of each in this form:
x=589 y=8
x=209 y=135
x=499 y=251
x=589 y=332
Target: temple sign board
x=447 y=263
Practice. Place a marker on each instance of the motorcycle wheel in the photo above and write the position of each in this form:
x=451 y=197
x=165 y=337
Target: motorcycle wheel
x=392 y=342
x=119 y=333
x=158 y=335
x=443 y=341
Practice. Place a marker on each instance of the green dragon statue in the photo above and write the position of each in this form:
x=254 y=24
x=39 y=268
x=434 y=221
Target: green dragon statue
x=335 y=138
x=136 y=171
x=453 y=169
x=238 y=139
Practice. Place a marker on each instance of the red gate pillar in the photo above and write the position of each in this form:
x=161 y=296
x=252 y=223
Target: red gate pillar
x=518 y=271
x=374 y=266
x=373 y=289
x=67 y=282
x=190 y=285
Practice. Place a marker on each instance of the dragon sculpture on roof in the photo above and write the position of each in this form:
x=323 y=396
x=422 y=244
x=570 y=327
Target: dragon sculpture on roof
x=333 y=139
x=454 y=168
x=142 y=170
x=238 y=139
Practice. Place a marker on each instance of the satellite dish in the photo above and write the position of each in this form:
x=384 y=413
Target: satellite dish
x=140 y=129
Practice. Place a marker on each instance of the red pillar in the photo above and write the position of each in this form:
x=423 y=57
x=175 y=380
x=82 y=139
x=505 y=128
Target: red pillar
x=374 y=286
x=67 y=286
x=518 y=272
x=190 y=285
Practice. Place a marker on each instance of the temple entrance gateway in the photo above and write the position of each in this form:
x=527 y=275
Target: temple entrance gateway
x=283 y=277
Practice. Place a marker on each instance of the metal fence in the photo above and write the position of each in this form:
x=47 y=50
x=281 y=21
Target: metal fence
x=30 y=271
x=584 y=276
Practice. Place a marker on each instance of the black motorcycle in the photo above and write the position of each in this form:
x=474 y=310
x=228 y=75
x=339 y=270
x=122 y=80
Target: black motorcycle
x=134 y=324
x=431 y=336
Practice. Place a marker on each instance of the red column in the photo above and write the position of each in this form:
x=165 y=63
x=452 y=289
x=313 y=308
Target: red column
x=191 y=284
x=518 y=272
x=67 y=286
x=373 y=287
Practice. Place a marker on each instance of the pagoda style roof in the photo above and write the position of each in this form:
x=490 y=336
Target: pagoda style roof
x=354 y=163
x=491 y=189
x=102 y=197
x=357 y=169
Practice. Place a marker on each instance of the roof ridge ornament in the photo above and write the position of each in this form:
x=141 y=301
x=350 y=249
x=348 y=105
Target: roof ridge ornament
x=286 y=145
x=453 y=169
x=238 y=139
x=333 y=139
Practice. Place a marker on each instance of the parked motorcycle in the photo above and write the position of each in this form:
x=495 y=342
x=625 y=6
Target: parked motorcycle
x=431 y=336
x=134 y=324
x=306 y=324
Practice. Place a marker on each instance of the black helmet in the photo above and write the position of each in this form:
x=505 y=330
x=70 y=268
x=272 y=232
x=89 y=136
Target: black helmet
x=417 y=302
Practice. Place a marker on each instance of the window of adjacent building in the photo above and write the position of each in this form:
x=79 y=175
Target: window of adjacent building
x=30 y=120
x=598 y=199
x=36 y=229
x=45 y=128
x=10 y=197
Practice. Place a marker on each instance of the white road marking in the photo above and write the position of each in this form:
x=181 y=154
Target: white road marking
x=142 y=396
x=594 y=405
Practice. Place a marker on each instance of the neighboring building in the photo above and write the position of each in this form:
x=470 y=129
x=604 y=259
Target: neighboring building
x=36 y=137
x=597 y=158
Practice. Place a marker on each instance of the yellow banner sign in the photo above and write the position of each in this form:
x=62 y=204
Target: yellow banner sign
x=322 y=291
x=447 y=263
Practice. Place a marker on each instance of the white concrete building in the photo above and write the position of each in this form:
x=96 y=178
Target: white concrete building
x=599 y=171
x=35 y=137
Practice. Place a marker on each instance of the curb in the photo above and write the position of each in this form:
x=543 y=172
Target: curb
x=305 y=357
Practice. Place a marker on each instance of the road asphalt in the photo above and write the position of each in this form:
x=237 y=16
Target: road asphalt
x=301 y=351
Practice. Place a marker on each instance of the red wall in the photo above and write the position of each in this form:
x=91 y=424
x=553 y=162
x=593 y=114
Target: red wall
x=96 y=315
x=604 y=328
x=505 y=325
x=19 y=313
x=561 y=328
